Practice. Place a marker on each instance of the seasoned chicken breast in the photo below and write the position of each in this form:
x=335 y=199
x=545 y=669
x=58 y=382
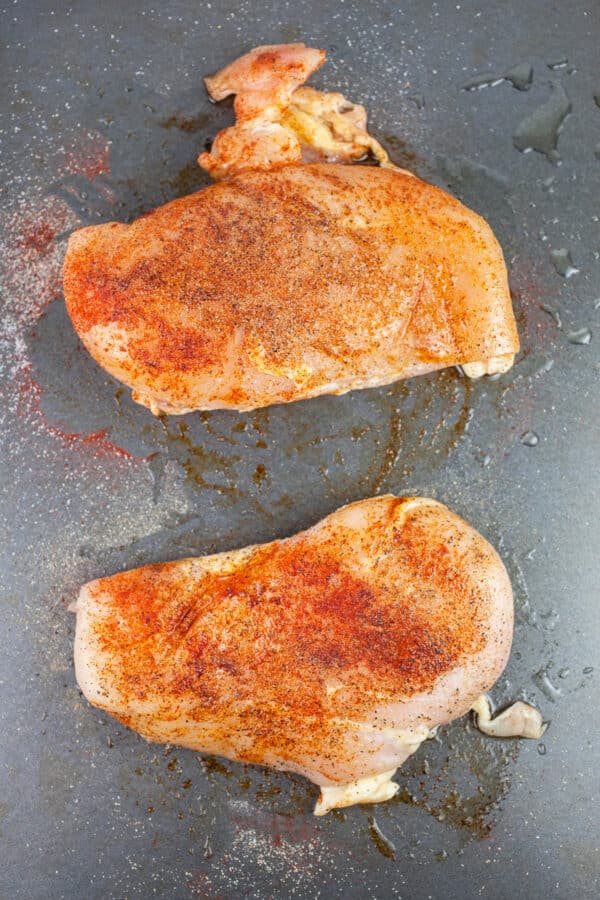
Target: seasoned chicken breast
x=278 y=286
x=333 y=653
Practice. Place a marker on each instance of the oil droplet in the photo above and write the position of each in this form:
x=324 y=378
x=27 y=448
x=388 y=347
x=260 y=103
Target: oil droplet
x=553 y=313
x=542 y=749
x=520 y=76
x=550 y=619
x=530 y=439
x=561 y=62
x=548 y=185
x=383 y=843
x=539 y=131
x=417 y=99
x=581 y=336
x=545 y=367
x=477 y=82
x=260 y=474
x=563 y=262
x=588 y=670
x=549 y=690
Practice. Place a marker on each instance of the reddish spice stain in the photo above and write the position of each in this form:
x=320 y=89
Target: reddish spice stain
x=530 y=282
x=280 y=829
x=36 y=237
x=97 y=438
x=32 y=261
x=89 y=158
x=29 y=406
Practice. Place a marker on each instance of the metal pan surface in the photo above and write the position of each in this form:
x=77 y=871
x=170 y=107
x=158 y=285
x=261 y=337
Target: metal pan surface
x=105 y=114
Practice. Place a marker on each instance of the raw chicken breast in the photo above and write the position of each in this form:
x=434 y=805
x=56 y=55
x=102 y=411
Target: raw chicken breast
x=278 y=286
x=333 y=653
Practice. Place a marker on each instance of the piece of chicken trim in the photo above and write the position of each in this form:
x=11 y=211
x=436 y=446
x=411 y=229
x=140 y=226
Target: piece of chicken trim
x=497 y=365
x=278 y=121
x=520 y=719
x=331 y=128
x=374 y=788
x=264 y=79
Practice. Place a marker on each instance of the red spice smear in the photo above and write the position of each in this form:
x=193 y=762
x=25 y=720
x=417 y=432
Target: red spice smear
x=88 y=157
x=29 y=406
x=102 y=445
x=32 y=260
x=35 y=236
x=531 y=282
x=31 y=279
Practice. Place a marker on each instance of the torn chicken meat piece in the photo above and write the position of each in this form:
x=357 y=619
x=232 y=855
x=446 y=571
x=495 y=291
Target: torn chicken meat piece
x=256 y=144
x=334 y=653
x=331 y=129
x=264 y=79
x=279 y=122
x=520 y=719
